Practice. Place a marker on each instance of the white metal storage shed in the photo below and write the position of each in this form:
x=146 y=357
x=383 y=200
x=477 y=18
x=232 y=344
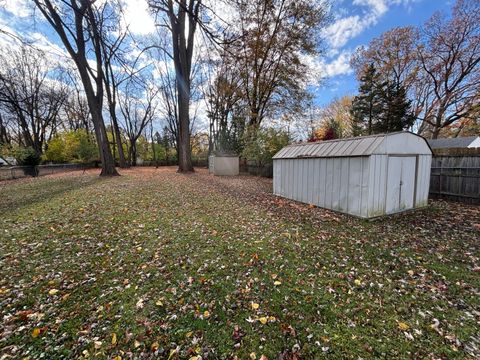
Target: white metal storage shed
x=366 y=176
x=224 y=164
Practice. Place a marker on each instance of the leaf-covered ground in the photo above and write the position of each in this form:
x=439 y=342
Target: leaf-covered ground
x=155 y=264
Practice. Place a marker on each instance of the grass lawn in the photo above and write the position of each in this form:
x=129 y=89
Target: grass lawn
x=155 y=264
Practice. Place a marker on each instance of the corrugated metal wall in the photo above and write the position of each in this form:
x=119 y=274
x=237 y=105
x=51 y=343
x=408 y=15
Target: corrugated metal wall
x=353 y=185
x=335 y=183
x=423 y=180
x=377 y=184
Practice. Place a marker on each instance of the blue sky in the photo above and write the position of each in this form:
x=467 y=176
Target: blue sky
x=355 y=23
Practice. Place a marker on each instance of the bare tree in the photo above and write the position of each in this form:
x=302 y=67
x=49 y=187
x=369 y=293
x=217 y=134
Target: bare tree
x=138 y=105
x=32 y=93
x=112 y=53
x=168 y=94
x=224 y=105
x=5 y=136
x=165 y=74
x=77 y=113
x=275 y=36
x=393 y=55
x=450 y=59
x=181 y=18
x=80 y=24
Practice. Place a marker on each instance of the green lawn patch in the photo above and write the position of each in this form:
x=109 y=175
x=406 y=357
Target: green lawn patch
x=155 y=264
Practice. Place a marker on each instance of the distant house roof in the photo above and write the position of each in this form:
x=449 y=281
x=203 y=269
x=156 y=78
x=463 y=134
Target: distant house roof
x=393 y=143
x=459 y=142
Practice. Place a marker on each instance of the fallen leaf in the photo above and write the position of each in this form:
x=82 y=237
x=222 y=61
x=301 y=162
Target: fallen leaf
x=36 y=332
x=403 y=326
x=172 y=352
x=237 y=333
x=263 y=320
x=154 y=346
x=114 y=339
x=52 y=291
x=255 y=306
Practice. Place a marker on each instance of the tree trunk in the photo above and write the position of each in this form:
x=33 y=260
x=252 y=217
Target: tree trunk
x=108 y=163
x=435 y=132
x=184 y=151
x=95 y=106
x=133 y=153
x=438 y=121
x=118 y=139
x=155 y=160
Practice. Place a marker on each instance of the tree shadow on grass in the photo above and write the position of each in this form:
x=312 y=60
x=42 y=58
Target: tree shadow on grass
x=15 y=196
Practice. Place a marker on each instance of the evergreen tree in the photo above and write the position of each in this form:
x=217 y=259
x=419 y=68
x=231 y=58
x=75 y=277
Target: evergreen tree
x=381 y=106
x=367 y=105
x=396 y=114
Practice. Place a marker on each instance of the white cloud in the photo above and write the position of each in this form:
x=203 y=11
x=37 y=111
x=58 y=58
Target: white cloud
x=321 y=69
x=339 y=66
x=19 y=8
x=342 y=30
x=378 y=7
x=50 y=48
x=346 y=28
x=138 y=17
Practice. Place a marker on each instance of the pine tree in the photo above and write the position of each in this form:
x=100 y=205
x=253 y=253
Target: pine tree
x=396 y=114
x=367 y=105
x=381 y=106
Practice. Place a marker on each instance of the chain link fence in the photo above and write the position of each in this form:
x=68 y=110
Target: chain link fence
x=18 y=172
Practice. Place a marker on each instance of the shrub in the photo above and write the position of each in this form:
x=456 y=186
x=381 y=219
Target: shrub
x=26 y=156
x=71 y=146
x=55 y=150
x=263 y=144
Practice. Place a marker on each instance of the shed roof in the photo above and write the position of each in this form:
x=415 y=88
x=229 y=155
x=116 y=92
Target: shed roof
x=459 y=142
x=401 y=143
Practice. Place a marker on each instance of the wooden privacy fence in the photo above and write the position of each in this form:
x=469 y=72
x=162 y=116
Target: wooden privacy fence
x=253 y=168
x=455 y=175
x=196 y=162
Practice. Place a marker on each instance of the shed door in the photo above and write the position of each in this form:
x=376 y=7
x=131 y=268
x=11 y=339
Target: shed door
x=400 y=183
